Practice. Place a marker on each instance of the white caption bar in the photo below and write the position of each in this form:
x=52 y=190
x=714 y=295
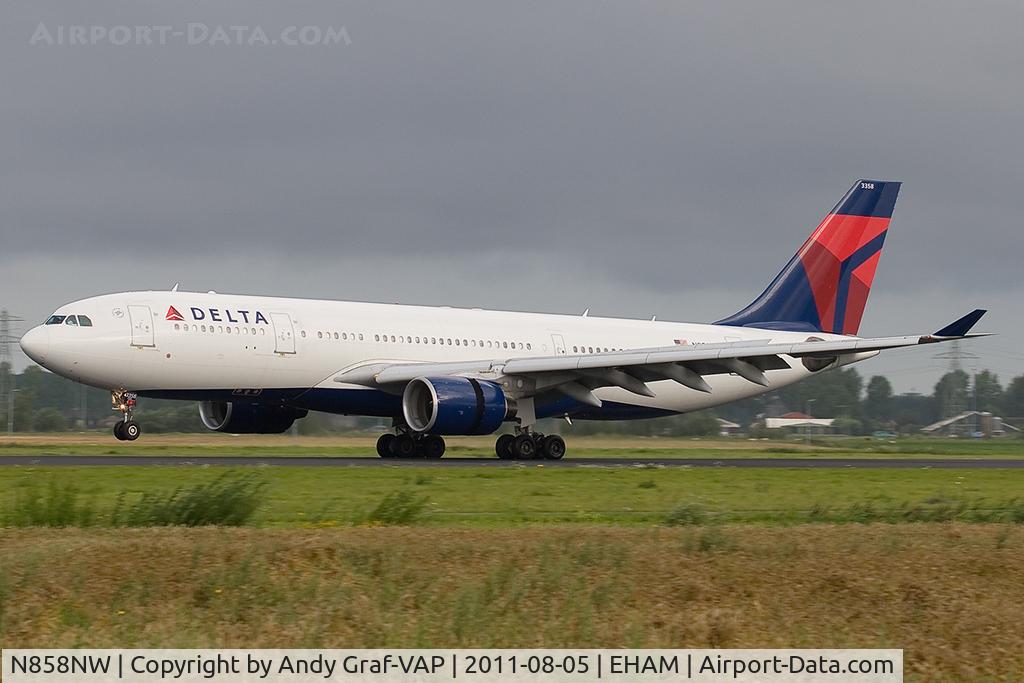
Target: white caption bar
x=472 y=666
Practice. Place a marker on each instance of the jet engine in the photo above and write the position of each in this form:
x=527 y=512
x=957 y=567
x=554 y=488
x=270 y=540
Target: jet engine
x=248 y=418
x=455 y=406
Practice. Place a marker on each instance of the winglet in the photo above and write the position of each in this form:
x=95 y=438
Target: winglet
x=961 y=327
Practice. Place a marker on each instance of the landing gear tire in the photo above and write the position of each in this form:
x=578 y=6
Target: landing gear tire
x=432 y=446
x=553 y=447
x=131 y=430
x=524 y=447
x=503 y=446
x=127 y=431
x=384 y=445
x=404 y=446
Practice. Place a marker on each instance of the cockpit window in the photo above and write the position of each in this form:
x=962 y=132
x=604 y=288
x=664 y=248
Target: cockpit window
x=71 y=320
x=84 y=321
x=55 y=320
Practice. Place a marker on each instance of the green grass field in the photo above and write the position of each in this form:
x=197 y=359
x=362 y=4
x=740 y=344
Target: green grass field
x=94 y=443
x=534 y=494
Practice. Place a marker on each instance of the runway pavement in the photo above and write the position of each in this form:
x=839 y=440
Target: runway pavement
x=326 y=461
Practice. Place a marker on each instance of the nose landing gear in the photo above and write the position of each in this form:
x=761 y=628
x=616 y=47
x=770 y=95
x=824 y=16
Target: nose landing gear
x=124 y=401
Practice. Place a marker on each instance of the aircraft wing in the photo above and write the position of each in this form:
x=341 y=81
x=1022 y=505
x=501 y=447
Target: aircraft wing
x=578 y=375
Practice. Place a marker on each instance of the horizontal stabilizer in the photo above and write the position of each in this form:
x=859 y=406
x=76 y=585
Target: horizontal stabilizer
x=961 y=327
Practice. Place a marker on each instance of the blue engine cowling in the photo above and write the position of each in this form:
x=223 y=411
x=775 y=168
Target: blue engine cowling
x=454 y=406
x=248 y=418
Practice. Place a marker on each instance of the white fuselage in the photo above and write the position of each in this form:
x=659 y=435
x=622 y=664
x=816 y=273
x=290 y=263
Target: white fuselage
x=290 y=350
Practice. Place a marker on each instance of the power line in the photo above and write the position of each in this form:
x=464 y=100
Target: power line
x=953 y=404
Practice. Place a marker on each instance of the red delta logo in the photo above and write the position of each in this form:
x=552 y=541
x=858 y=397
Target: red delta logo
x=172 y=314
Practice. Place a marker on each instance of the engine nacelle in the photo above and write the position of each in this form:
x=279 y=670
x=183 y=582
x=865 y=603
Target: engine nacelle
x=455 y=406
x=248 y=418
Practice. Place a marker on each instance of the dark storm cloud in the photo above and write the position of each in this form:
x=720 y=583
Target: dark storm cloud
x=675 y=153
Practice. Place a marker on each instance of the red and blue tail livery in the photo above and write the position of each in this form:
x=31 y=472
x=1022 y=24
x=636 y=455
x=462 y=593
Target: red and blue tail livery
x=825 y=286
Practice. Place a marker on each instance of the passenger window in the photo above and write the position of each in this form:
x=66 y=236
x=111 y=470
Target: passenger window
x=505 y=345
x=376 y=337
x=71 y=320
x=84 y=321
x=528 y=347
x=55 y=320
x=177 y=326
x=203 y=328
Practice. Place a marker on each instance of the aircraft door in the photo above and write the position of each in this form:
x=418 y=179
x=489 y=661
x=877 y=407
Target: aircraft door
x=284 y=333
x=558 y=344
x=142 y=325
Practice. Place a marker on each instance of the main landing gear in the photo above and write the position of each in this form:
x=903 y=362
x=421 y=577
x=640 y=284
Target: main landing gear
x=528 y=445
x=410 y=445
x=124 y=401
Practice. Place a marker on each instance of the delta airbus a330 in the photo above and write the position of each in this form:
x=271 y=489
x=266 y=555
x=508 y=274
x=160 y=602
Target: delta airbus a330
x=257 y=364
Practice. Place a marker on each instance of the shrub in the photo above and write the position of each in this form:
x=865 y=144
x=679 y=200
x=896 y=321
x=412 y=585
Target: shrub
x=49 y=420
x=687 y=514
x=398 y=508
x=228 y=500
x=57 y=506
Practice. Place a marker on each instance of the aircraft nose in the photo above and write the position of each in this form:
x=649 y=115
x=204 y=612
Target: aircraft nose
x=36 y=343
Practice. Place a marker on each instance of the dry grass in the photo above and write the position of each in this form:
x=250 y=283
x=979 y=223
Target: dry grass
x=949 y=594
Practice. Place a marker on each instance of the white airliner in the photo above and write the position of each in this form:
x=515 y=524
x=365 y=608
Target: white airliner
x=256 y=364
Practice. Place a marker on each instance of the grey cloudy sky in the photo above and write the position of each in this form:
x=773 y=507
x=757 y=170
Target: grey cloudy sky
x=638 y=158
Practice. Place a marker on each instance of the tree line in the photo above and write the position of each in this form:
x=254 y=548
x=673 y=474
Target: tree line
x=45 y=402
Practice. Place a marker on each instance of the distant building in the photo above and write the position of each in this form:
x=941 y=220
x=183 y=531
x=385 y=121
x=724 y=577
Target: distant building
x=727 y=428
x=800 y=422
x=971 y=423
